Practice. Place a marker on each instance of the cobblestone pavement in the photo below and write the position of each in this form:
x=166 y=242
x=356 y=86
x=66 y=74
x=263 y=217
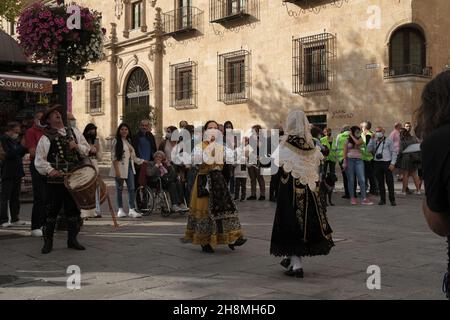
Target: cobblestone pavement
x=144 y=259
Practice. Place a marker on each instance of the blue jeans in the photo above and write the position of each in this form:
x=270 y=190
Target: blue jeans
x=97 y=200
x=130 y=187
x=355 y=165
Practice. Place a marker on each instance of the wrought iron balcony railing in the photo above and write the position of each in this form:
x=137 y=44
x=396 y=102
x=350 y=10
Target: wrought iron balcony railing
x=408 y=70
x=228 y=10
x=182 y=20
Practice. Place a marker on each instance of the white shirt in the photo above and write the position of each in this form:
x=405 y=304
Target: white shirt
x=40 y=161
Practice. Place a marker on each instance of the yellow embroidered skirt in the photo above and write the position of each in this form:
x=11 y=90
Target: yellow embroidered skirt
x=203 y=229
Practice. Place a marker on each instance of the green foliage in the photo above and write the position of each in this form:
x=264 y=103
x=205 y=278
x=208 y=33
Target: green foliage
x=10 y=9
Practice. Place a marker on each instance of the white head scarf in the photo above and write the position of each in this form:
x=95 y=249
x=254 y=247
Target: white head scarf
x=302 y=164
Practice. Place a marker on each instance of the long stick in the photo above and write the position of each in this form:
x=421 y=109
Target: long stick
x=116 y=225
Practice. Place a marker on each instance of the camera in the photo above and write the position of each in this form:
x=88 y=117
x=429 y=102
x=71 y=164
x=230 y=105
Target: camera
x=379 y=156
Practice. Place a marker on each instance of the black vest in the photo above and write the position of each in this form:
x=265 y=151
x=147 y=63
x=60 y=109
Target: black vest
x=59 y=155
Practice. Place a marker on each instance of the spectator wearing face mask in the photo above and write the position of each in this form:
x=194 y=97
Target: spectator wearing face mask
x=330 y=160
x=12 y=174
x=32 y=137
x=167 y=144
x=353 y=163
x=385 y=157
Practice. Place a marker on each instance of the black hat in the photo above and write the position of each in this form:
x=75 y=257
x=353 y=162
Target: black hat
x=56 y=107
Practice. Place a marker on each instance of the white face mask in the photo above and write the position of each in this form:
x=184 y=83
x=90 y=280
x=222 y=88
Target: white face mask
x=379 y=135
x=73 y=123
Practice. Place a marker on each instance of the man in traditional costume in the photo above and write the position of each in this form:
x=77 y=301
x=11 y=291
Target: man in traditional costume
x=59 y=151
x=300 y=227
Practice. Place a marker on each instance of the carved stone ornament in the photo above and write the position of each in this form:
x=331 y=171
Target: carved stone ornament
x=119 y=8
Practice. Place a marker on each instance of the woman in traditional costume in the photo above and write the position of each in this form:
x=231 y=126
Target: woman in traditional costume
x=300 y=227
x=213 y=217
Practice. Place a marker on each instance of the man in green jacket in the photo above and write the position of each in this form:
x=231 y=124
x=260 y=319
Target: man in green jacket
x=367 y=157
x=330 y=161
x=341 y=140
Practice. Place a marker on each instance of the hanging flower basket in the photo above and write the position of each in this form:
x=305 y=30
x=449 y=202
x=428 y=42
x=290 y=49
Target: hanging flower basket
x=43 y=32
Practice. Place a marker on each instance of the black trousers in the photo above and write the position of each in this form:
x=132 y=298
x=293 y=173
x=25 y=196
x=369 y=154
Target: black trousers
x=57 y=197
x=345 y=180
x=38 y=211
x=329 y=165
x=371 y=181
x=10 y=195
x=384 y=176
x=240 y=184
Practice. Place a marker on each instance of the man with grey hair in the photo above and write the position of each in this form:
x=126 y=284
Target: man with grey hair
x=144 y=142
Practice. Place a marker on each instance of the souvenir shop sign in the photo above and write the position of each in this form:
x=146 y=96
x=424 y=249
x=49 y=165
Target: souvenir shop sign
x=25 y=83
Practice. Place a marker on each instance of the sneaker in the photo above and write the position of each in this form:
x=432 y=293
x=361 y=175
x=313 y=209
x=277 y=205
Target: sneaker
x=418 y=193
x=176 y=208
x=134 y=214
x=36 y=233
x=353 y=201
x=403 y=193
x=121 y=213
x=6 y=225
x=366 y=202
x=183 y=207
x=18 y=223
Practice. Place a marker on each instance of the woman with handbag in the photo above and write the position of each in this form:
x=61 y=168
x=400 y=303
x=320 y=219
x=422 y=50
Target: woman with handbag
x=408 y=163
x=213 y=218
x=123 y=159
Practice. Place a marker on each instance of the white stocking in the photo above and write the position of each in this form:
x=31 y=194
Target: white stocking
x=296 y=263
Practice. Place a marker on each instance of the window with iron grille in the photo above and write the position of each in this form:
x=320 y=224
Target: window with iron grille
x=94 y=96
x=136 y=14
x=227 y=10
x=407 y=54
x=313 y=63
x=183 y=85
x=234 y=77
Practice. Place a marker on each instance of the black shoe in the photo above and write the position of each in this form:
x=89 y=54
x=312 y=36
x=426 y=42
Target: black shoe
x=382 y=203
x=47 y=233
x=345 y=196
x=73 y=244
x=251 y=198
x=207 y=249
x=243 y=199
x=73 y=228
x=286 y=262
x=239 y=242
x=393 y=203
x=262 y=198
x=273 y=200
x=296 y=274
x=236 y=198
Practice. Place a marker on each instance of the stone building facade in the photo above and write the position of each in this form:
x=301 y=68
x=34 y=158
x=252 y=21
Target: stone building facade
x=251 y=61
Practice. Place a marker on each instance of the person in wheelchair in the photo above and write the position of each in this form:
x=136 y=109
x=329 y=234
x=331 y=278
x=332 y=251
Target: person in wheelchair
x=160 y=168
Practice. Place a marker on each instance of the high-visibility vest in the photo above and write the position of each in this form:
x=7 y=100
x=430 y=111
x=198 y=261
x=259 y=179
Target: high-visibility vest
x=343 y=138
x=332 y=155
x=365 y=154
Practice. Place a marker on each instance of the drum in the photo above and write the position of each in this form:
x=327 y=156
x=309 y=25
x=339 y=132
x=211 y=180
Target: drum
x=82 y=183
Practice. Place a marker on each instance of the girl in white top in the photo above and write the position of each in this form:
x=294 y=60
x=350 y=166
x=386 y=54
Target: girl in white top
x=122 y=168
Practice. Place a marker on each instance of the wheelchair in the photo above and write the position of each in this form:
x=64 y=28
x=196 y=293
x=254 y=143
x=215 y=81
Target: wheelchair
x=152 y=198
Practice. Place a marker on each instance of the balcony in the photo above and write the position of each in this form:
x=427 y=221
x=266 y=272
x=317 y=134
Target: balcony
x=183 y=20
x=223 y=11
x=409 y=70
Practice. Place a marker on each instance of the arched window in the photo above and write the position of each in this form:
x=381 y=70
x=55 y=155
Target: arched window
x=137 y=98
x=407 y=52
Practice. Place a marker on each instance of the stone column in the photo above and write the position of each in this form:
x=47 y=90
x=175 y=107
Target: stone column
x=113 y=80
x=158 y=51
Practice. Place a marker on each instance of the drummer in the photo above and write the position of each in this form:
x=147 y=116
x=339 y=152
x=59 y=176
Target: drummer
x=59 y=150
